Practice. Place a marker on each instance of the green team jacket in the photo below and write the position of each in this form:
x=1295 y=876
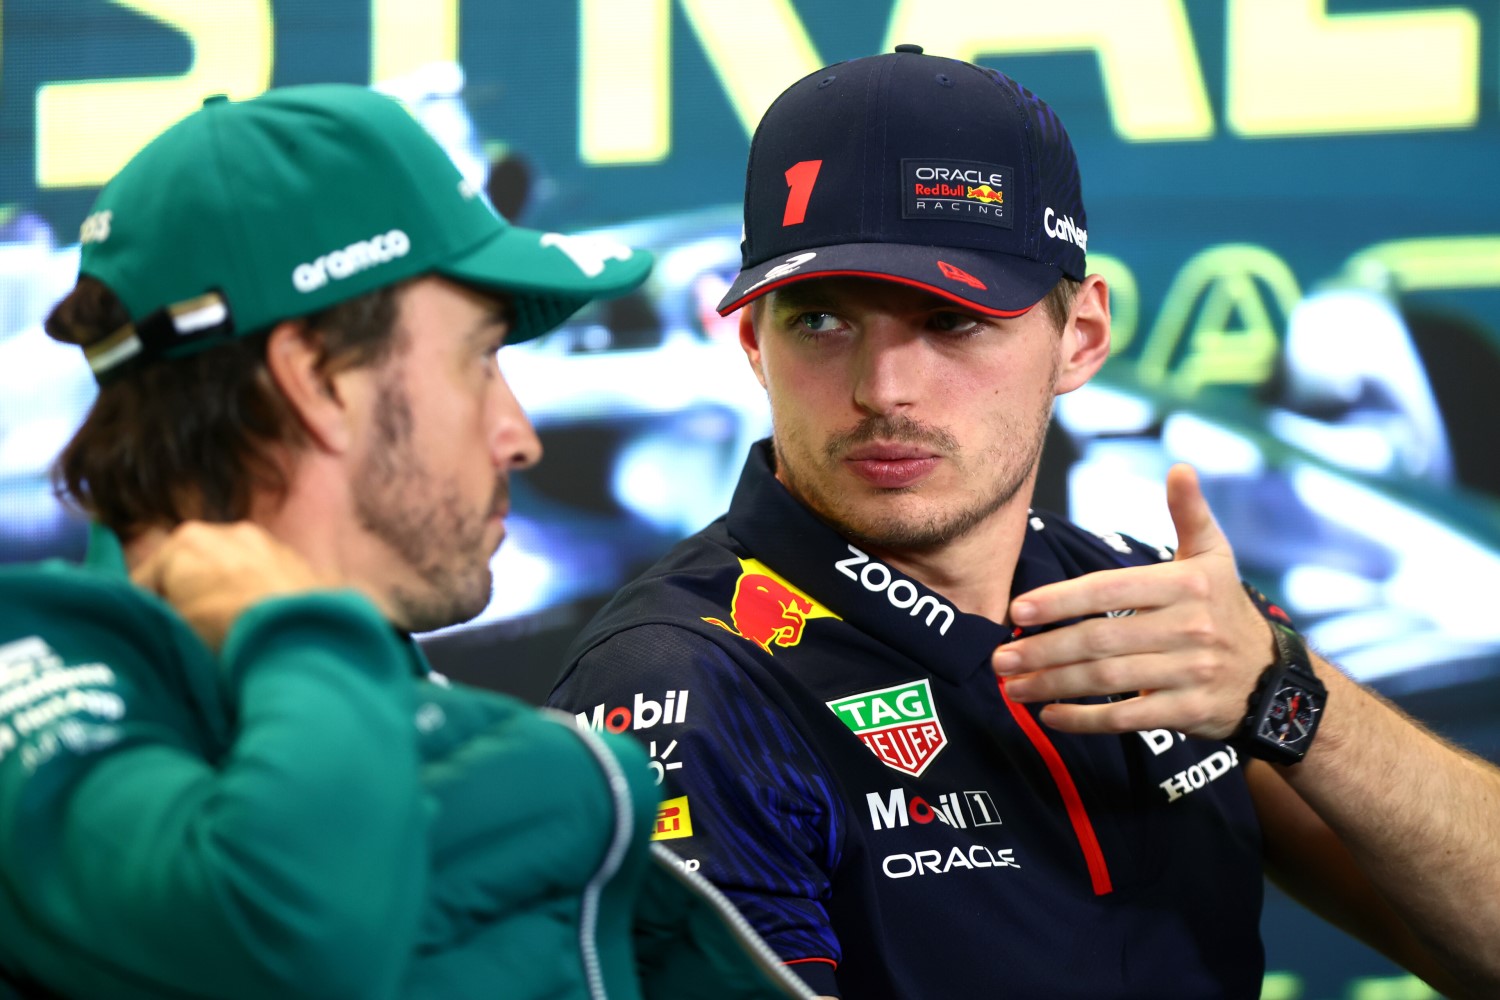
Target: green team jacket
x=313 y=813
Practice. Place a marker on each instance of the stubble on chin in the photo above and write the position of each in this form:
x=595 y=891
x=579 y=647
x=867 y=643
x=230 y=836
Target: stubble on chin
x=898 y=519
x=426 y=523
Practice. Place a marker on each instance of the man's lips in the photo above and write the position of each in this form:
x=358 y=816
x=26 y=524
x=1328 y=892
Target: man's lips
x=891 y=467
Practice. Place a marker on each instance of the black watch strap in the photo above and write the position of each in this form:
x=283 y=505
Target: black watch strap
x=1286 y=706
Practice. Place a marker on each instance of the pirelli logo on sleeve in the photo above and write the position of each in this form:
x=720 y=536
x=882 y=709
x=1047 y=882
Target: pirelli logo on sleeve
x=674 y=820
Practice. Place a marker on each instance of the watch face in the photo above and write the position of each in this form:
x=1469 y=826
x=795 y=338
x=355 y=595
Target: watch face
x=1289 y=718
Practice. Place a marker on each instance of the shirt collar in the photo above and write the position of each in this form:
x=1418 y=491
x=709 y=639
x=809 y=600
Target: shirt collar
x=877 y=599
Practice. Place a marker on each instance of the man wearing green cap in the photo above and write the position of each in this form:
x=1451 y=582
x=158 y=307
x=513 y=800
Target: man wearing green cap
x=225 y=768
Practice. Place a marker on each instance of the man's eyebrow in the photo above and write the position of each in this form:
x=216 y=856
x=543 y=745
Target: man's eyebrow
x=499 y=316
x=800 y=296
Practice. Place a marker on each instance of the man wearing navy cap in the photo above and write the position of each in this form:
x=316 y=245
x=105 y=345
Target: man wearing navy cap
x=838 y=755
x=225 y=768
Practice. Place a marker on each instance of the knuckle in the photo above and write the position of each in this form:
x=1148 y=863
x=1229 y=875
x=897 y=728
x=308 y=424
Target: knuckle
x=1202 y=669
x=1200 y=628
x=1196 y=584
x=1110 y=676
x=1096 y=641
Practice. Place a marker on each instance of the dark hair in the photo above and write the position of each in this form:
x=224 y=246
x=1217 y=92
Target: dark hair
x=195 y=437
x=1059 y=301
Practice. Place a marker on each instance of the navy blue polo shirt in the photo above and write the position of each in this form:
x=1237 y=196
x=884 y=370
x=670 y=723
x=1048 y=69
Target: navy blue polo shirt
x=836 y=755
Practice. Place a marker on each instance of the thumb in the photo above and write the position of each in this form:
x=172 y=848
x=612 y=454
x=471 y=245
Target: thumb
x=1197 y=531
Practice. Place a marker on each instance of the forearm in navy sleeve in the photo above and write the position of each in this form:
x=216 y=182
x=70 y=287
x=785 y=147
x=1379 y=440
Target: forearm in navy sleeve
x=746 y=801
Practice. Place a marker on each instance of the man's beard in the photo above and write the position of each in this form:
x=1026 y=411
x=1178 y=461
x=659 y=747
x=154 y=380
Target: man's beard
x=937 y=527
x=424 y=522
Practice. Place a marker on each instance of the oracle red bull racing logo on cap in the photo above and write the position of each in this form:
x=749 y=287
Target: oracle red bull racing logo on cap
x=899 y=724
x=768 y=610
x=957 y=191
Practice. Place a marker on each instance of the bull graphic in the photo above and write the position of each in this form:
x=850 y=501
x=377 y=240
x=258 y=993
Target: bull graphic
x=768 y=610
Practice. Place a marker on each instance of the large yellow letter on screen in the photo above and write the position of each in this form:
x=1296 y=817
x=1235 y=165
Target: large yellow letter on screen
x=406 y=35
x=1145 y=48
x=87 y=129
x=625 y=59
x=1295 y=69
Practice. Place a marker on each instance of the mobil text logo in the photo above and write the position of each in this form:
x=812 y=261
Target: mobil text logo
x=957 y=809
x=641 y=713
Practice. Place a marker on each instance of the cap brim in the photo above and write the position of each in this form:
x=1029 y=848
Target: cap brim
x=549 y=276
x=991 y=283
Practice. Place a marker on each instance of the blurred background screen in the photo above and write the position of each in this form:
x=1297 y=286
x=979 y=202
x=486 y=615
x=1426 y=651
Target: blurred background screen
x=1294 y=202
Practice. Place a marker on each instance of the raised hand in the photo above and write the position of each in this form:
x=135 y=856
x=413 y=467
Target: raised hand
x=212 y=572
x=1189 y=654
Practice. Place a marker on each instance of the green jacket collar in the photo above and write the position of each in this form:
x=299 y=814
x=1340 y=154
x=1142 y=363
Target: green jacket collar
x=105 y=554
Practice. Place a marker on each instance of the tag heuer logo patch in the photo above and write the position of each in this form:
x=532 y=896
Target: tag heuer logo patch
x=899 y=724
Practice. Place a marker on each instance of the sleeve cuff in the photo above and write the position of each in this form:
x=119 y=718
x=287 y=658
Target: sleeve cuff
x=817 y=973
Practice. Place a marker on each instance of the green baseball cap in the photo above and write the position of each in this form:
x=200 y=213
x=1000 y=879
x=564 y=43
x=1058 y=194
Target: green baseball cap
x=247 y=213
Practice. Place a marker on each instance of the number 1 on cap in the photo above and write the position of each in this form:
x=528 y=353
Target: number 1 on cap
x=800 y=179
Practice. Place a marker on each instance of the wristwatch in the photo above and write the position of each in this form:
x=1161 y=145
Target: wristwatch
x=1285 y=706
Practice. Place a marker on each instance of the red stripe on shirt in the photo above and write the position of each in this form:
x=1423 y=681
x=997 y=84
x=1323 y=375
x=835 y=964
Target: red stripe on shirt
x=1083 y=827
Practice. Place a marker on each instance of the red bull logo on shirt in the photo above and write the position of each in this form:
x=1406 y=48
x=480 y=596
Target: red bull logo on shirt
x=899 y=724
x=767 y=609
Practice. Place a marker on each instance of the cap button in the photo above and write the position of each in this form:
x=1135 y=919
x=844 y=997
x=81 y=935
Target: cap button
x=908 y=47
x=215 y=99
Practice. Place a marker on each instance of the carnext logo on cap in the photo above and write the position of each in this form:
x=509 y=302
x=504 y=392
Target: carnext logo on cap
x=1062 y=227
x=956 y=190
x=352 y=259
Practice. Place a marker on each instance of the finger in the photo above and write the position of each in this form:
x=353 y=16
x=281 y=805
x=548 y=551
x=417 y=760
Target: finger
x=1126 y=716
x=1197 y=531
x=1118 y=675
x=1089 y=640
x=1110 y=591
x=1182 y=711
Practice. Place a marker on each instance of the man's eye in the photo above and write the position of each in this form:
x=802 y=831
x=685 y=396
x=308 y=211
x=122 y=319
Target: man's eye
x=817 y=322
x=952 y=322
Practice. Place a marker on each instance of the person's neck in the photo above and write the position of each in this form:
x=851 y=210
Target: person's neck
x=314 y=516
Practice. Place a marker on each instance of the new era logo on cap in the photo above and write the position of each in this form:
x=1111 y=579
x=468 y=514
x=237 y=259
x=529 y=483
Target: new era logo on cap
x=914 y=168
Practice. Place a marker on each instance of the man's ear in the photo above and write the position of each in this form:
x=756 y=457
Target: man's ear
x=294 y=357
x=751 y=342
x=1085 y=338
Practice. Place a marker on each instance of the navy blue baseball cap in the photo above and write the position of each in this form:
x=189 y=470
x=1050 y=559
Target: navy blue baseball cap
x=916 y=169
